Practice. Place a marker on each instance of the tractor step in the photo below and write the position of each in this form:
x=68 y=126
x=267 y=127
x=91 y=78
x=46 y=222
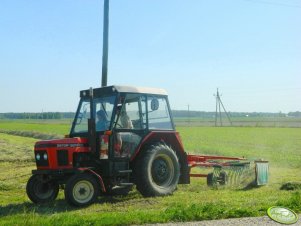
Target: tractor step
x=126 y=184
x=125 y=171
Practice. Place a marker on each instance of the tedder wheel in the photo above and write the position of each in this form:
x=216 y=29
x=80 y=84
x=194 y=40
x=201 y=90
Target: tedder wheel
x=157 y=171
x=210 y=181
x=81 y=190
x=40 y=190
x=223 y=178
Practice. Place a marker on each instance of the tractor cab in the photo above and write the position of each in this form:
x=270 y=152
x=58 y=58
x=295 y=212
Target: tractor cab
x=115 y=119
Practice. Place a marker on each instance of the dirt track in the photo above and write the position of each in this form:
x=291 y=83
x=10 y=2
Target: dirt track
x=250 y=221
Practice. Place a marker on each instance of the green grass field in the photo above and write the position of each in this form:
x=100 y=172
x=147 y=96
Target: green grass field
x=281 y=146
x=241 y=122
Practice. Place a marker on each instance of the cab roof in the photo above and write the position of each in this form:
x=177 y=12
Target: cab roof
x=123 y=89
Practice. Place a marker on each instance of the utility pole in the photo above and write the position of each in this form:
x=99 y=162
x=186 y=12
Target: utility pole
x=218 y=110
x=105 y=48
x=188 y=115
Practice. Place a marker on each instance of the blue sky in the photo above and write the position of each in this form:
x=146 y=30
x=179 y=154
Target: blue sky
x=249 y=49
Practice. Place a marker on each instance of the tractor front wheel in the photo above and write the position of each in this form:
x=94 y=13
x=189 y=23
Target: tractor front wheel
x=81 y=190
x=41 y=190
x=157 y=171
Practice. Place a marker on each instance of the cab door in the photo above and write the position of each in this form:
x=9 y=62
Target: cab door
x=130 y=126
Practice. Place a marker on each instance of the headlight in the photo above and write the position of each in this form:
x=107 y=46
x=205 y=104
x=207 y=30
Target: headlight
x=38 y=157
x=45 y=156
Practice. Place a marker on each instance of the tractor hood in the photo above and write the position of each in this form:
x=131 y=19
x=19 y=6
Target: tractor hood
x=63 y=143
x=60 y=153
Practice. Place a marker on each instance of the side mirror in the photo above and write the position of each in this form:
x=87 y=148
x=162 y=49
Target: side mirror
x=154 y=104
x=79 y=118
x=119 y=106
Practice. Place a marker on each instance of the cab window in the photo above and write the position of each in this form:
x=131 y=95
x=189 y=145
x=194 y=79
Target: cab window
x=132 y=114
x=82 y=116
x=158 y=113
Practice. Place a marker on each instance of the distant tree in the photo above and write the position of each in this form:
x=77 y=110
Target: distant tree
x=294 y=114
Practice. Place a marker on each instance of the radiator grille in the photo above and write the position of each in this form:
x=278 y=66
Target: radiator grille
x=62 y=157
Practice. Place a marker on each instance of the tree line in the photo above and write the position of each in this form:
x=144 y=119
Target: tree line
x=35 y=115
x=175 y=113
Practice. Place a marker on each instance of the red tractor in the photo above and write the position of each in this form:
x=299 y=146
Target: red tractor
x=121 y=136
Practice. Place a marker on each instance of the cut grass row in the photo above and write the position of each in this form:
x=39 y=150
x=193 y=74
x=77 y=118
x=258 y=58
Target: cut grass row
x=16 y=148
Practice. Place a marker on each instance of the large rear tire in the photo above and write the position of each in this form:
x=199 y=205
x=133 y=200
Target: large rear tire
x=157 y=171
x=81 y=190
x=41 y=190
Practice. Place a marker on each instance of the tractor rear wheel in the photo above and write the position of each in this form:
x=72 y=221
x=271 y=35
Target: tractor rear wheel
x=81 y=190
x=40 y=190
x=157 y=171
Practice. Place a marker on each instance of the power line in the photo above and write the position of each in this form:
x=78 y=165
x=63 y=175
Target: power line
x=218 y=112
x=274 y=3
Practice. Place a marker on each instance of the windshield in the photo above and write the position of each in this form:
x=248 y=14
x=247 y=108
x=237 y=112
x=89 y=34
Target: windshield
x=103 y=110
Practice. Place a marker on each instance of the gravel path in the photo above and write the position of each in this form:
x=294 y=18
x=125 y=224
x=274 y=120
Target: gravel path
x=250 y=221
